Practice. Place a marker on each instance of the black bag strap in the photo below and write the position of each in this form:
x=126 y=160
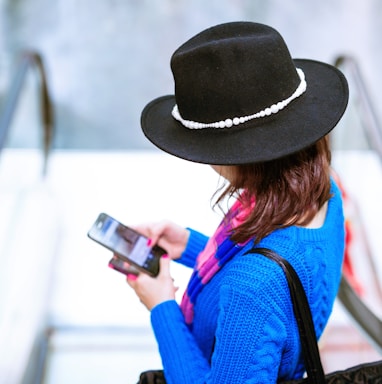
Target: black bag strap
x=303 y=316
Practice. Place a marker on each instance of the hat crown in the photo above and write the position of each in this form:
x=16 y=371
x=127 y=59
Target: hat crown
x=233 y=69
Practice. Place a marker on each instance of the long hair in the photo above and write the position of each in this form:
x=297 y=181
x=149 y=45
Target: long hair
x=287 y=191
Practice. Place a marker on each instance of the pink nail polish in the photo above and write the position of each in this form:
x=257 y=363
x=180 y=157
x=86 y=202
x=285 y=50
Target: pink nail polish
x=130 y=276
x=111 y=265
x=149 y=241
x=165 y=256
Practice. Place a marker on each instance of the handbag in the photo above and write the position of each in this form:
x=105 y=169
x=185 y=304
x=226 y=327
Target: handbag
x=152 y=377
x=370 y=373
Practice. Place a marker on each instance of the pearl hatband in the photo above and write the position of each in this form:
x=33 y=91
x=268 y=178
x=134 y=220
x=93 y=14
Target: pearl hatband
x=228 y=123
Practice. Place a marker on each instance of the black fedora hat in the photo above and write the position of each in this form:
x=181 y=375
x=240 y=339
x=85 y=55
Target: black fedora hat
x=240 y=98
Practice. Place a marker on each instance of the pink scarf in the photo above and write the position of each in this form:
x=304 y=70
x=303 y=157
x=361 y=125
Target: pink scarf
x=218 y=251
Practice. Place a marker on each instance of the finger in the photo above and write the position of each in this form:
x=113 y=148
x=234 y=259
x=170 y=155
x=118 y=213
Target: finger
x=164 y=265
x=147 y=230
x=131 y=280
x=156 y=231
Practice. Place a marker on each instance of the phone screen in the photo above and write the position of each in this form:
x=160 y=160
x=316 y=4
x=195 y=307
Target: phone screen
x=127 y=243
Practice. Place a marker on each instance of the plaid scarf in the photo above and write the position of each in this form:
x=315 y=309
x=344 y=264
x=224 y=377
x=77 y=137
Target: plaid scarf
x=218 y=251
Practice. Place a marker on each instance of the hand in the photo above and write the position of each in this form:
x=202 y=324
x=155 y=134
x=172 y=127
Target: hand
x=154 y=290
x=170 y=236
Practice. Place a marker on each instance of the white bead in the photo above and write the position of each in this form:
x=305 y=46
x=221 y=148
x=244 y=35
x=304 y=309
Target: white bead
x=236 y=121
x=274 y=108
x=228 y=123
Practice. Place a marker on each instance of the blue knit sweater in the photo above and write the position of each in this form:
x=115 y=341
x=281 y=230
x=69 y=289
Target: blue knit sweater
x=244 y=330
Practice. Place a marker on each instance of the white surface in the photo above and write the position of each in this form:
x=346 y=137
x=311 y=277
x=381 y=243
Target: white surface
x=29 y=233
x=112 y=356
x=133 y=188
x=361 y=174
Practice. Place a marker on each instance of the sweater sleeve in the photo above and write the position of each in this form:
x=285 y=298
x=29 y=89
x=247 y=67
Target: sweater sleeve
x=196 y=243
x=248 y=341
x=181 y=357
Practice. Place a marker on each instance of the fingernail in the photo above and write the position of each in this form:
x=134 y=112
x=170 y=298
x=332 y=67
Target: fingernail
x=149 y=241
x=165 y=256
x=111 y=266
x=131 y=276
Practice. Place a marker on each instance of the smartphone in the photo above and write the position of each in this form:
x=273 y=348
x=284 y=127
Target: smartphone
x=127 y=243
x=120 y=265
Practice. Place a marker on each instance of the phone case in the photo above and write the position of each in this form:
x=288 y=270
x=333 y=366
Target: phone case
x=127 y=243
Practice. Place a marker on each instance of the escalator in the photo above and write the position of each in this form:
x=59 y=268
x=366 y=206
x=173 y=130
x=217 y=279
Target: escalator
x=27 y=228
x=357 y=149
x=64 y=309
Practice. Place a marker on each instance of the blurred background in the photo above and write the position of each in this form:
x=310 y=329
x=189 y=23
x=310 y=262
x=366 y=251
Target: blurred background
x=74 y=77
x=107 y=59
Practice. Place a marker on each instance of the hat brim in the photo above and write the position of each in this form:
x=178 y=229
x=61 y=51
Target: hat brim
x=303 y=122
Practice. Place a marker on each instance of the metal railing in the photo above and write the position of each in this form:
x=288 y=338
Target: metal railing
x=26 y=364
x=365 y=318
x=29 y=61
x=369 y=119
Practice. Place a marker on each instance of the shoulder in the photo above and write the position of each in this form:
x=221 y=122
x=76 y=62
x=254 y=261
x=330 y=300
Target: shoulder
x=257 y=279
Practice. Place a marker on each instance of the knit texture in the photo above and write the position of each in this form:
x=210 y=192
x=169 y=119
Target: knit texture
x=218 y=251
x=243 y=328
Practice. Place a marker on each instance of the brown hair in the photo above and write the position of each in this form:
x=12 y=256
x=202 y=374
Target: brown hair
x=287 y=191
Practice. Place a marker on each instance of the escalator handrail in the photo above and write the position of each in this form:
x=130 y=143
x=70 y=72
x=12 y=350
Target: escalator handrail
x=28 y=61
x=370 y=324
x=364 y=317
x=371 y=121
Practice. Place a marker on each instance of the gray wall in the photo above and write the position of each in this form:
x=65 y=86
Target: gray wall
x=107 y=58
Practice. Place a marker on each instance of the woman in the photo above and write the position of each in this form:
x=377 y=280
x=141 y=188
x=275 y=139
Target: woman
x=261 y=120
